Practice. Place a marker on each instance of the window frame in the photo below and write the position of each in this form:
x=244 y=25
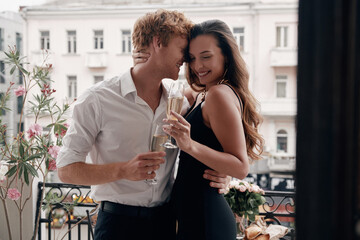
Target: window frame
x=281 y=78
x=282 y=36
x=71 y=41
x=126 y=41
x=97 y=80
x=239 y=37
x=72 y=86
x=2 y=33
x=98 y=39
x=45 y=40
x=282 y=134
x=2 y=72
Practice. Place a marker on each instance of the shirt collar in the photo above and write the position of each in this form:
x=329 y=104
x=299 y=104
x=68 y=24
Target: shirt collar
x=127 y=84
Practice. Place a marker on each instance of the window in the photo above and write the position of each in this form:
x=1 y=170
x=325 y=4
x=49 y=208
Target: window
x=98 y=39
x=98 y=79
x=2 y=72
x=281 y=36
x=1 y=39
x=18 y=42
x=126 y=41
x=20 y=127
x=71 y=41
x=282 y=137
x=45 y=40
x=239 y=35
x=3 y=112
x=19 y=104
x=281 y=81
x=72 y=87
x=20 y=77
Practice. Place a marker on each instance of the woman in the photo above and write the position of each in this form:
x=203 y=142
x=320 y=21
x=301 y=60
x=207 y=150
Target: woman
x=224 y=132
x=223 y=121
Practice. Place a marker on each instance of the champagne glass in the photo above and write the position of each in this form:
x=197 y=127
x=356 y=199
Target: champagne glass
x=157 y=145
x=175 y=102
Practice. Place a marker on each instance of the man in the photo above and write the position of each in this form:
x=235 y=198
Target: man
x=114 y=121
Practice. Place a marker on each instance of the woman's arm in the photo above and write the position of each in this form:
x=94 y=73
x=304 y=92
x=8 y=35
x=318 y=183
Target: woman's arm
x=221 y=112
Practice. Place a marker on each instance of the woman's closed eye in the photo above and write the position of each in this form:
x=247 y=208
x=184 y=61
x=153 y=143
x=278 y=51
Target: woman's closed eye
x=206 y=57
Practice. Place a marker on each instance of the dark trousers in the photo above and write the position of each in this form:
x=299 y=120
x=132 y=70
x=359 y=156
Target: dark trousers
x=122 y=222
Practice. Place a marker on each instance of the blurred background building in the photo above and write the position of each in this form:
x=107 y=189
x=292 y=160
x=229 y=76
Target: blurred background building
x=11 y=34
x=89 y=41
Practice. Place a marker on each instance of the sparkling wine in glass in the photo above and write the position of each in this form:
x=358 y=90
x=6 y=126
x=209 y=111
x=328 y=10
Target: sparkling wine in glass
x=175 y=102
x=157 y=145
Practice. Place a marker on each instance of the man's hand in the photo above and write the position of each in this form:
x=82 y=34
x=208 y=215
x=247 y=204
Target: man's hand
x=142 y=166
x=217 y=180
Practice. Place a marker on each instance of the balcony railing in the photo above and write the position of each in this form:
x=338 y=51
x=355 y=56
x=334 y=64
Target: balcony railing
x=279 y=208
x=283 y=57
x=58 y=210
x=96 y=59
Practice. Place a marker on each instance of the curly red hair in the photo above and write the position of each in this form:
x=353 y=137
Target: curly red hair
x=162 y=23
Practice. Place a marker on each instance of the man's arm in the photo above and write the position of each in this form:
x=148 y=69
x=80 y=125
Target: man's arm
x=93 y=174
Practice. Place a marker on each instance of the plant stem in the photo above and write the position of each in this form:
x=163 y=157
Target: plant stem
x=7 y=218
x=20 y=222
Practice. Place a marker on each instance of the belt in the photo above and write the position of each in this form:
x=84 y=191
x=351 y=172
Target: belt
x=132 y=211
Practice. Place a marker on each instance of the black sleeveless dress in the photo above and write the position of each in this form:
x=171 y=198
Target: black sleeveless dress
x=202 y=213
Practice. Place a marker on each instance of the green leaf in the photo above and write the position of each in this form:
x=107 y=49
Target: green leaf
x=12 y=171
x=23 y=70
x=8 y=55
x=26 y=176
x=32 y=157
x=12 y=70
x=20 y=170
x=21 y=150
x=32 y=170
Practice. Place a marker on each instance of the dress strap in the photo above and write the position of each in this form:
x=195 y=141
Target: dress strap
x=237 y=95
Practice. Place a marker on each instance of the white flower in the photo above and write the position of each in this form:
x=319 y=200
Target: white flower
x=256 y=188
x=233 y=183
x=247 y=185
x=3 y=171
x=242 y=188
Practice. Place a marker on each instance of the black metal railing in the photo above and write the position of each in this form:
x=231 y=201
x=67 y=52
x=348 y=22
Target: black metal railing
x=279 y=208
x=64 y=198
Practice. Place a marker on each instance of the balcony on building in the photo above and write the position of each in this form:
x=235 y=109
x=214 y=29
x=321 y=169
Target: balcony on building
x=279 y=107
x=283 y=57
x=39 y=58
x=96 y=59
x=281 y=162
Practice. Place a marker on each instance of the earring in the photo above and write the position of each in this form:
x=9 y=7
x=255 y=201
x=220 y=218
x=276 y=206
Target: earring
x=223 y=80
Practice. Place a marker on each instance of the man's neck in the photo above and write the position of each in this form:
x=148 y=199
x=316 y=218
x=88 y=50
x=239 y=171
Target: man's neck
x=148 y=85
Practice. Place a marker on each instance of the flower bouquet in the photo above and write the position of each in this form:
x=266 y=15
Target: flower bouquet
x=244 y=200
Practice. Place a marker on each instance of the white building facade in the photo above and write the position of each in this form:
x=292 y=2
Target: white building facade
x=11 y=34
x=89 y=42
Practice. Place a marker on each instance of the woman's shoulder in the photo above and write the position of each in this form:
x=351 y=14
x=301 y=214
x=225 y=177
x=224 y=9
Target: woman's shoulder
x=220 y=92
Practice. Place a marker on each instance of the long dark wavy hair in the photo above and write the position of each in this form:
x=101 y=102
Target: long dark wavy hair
x=236 y=75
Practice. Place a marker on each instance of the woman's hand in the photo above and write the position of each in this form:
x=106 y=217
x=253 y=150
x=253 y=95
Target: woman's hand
x=180 y=131
x=139 y=56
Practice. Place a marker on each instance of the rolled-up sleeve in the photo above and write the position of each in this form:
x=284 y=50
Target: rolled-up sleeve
x=82 y=133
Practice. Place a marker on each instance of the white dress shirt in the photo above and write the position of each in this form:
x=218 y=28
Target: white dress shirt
x=113 y=124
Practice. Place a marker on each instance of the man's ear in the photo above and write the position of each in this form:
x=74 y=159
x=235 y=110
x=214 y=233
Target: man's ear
x=156 y=43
